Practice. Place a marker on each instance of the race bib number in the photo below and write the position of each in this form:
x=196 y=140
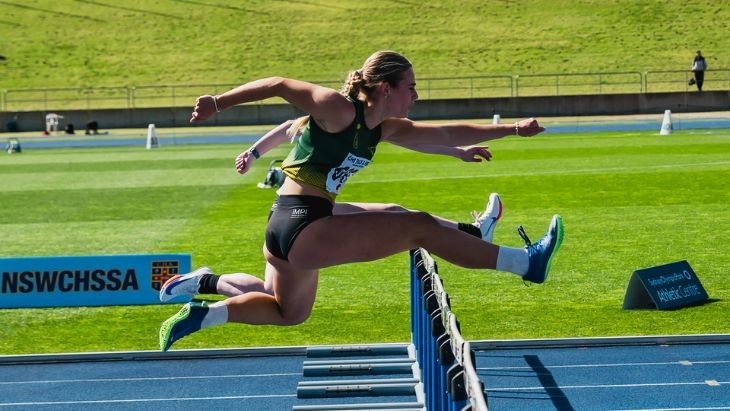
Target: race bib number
x=337 y=177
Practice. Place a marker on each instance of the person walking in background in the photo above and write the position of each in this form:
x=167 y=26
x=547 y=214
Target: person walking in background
x=699 y=65
x=338 y=138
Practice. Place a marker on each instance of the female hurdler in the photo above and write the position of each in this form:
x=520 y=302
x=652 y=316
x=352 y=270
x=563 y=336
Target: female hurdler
x=307 y=231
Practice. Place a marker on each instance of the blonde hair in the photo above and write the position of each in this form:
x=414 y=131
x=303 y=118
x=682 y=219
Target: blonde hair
x=296 y=127
x=381 y=66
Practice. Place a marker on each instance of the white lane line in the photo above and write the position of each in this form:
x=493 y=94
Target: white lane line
x=677 y=409
x=142 y=400
x=634 y=364
x=578 y=387
x=194 y=377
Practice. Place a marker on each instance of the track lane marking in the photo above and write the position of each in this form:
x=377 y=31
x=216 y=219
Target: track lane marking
x=193 y=377
x=142 y=400
x=578 y=387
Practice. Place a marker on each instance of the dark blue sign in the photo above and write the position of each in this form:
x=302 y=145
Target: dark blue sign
x=665 y=287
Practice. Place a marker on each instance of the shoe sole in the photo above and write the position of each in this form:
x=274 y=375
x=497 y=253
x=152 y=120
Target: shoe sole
x=166 y=290
x=558 y=242
x=493 y=198
x=169 y=325
x=499 y=201
x=164 y=295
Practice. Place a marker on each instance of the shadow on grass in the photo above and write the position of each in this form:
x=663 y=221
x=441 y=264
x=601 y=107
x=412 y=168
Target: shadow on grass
x=219 y=6
x=94 y=3
x=51 y=12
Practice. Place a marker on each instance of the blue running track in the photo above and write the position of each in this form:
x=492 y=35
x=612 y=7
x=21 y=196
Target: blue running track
x=640 y=373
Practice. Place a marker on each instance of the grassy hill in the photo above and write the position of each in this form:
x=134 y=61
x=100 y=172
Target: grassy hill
x=86 y=43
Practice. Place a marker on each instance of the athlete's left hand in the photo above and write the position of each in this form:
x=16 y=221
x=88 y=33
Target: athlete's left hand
x=475 y=154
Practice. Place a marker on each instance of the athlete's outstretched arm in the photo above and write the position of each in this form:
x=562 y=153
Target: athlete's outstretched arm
x=471 y=154
x=411 y=133
x=329 y=108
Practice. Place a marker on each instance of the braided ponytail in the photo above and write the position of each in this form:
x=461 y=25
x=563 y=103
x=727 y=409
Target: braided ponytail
x=353 y=84
x=382 y=66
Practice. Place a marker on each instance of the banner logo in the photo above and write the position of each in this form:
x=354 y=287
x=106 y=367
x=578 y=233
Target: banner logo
x=163 y=271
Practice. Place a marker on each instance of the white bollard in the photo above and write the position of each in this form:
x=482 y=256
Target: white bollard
x=495 y=119
x=666 y=123
x=152 y=141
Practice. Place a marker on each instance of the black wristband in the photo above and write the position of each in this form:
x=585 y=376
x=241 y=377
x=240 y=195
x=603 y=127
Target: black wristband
x=255 y=152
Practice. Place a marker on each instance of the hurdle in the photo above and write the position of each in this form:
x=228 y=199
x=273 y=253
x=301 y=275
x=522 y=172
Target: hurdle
x=358 y=367
x=437 y=367
x=370 y=371
x=357 y=350
x=446 y=359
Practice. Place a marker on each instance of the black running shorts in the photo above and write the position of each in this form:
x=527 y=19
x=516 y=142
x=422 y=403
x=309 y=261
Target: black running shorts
x=289 y=215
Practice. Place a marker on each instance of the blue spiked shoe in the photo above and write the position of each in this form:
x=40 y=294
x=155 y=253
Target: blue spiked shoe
x=542 y=252
x=185 y=322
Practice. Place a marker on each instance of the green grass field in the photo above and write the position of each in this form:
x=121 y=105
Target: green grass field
x=79 y=43
x=629 y=201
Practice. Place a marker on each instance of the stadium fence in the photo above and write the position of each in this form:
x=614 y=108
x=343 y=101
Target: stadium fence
x=561 y=84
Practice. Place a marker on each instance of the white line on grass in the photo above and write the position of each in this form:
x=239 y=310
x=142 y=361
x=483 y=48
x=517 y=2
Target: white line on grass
x=560 y=172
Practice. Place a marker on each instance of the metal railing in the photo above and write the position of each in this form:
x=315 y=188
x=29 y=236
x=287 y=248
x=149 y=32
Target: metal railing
x=149 y=96
x=678 y=80
x=579 y=83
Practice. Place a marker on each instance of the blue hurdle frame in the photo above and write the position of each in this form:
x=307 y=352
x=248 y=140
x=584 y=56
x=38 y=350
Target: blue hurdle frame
x=450 y=381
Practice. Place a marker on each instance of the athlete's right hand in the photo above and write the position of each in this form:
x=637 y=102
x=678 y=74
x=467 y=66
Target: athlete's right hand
x=244 y=162
x=528 y=128
x=204 y=108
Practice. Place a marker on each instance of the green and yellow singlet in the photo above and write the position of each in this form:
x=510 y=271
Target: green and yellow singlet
x=326 y=160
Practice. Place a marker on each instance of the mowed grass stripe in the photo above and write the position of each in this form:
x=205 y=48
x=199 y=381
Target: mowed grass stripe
x=76 y=180
x=122 y=179
x=113 y=166
x=129 y=204
x=527 y=170
x=73 y=157
x=89 y=237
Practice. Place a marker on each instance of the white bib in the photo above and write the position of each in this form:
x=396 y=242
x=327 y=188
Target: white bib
x=337 y=176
